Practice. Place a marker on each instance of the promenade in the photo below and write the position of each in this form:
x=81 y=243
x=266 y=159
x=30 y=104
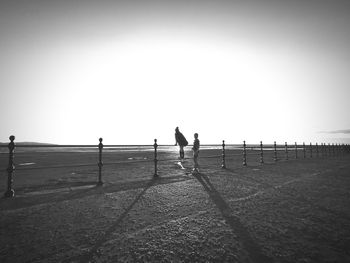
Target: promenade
x=289 y=211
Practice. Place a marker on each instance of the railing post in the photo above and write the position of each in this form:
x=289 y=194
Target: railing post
x=286 y=150
x=296 y=150
x=261 y=153
x=333 y=149
x=223 y=164
x=274 y=152
x=304 y=153
x=100 y=163
x=316 y=150
x=244 y=154
x=329 y=149
x=155 y=145
x=324 y=152
x=310 y=150
x=10 y=168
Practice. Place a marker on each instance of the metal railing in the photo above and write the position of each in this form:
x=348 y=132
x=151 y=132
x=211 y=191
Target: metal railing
x=279 y=152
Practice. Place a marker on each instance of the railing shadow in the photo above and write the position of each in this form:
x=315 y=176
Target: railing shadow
x=109 y=232
x=88 y=189
x=253 y=249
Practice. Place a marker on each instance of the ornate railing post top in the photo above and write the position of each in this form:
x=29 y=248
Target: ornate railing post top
x=100 y=145
x=11 y=145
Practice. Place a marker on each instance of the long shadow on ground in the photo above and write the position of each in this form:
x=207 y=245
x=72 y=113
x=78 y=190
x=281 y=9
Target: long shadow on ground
x=90 y=189
x=109 y=232
x=253 y=250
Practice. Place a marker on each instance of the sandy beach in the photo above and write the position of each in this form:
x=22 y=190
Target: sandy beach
x=292 y=210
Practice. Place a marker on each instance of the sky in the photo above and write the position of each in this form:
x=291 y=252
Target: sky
x=72 y=71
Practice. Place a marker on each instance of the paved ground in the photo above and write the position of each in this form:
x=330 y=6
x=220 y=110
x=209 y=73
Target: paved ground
x=295 y=211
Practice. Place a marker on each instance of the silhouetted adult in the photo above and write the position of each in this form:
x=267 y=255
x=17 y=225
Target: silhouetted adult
x=181 y=141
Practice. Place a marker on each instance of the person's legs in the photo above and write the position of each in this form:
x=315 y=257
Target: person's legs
x=182 y=153
x=195 y=160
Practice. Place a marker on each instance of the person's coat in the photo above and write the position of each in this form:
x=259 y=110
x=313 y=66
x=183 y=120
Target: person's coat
x=180 y=139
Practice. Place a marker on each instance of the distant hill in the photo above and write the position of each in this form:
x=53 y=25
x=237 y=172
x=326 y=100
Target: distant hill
x=28 y=143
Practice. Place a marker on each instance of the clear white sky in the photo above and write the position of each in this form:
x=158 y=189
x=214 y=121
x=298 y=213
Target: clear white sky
x=131 y=71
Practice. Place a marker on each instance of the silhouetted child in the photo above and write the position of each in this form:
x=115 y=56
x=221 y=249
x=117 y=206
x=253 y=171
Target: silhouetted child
x=195 y=149
x=181 y=141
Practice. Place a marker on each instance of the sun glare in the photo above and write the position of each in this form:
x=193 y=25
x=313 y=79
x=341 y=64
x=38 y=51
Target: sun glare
x=125 y=86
